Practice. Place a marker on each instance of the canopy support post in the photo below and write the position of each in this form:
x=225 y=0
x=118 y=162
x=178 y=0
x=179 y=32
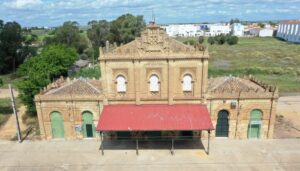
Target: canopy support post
x=208 y=142
x=172 y=148
x=137 y=147
x=102 y=145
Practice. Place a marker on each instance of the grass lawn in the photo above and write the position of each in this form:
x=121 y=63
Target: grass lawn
x=8 y=78
x=5 y=110
x=40 y=33
x=269 y=59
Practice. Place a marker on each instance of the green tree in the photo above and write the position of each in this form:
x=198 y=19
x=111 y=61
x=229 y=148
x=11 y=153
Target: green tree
x=211 y=40
x=40 y=70
x=126 y=27
x=232 y=40
x=69 y=35
x=272 y=23
x=220 y=39
x=98 y=32
x=235 y=20
x=201 y=39
x=261 y=25
x=10 y=45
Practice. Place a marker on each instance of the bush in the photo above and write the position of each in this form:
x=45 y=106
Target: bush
x=211 y=40
x=201 y=39
x=232 y=40
x=220 y=39
x=93 y=72
x=190 y=41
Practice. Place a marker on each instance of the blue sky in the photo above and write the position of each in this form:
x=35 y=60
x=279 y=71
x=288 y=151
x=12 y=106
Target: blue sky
x=55 y=12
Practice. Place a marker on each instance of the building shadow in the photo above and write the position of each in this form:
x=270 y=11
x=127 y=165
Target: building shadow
x=151 y=144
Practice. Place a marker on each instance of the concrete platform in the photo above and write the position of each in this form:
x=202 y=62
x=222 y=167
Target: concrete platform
x=275 y=154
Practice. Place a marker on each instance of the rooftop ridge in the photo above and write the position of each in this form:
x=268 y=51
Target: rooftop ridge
x=63 y=86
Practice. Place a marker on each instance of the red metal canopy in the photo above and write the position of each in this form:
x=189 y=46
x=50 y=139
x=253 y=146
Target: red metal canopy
x=154 y=117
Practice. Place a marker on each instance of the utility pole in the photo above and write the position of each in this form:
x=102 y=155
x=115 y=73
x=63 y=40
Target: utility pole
x=13 y=103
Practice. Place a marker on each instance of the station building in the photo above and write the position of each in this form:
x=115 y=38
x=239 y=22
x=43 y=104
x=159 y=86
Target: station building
x=154 y=88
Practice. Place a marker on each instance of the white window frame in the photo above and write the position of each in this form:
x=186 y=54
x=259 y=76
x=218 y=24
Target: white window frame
x=121 y=84
x=187 y=83
x=154 y=83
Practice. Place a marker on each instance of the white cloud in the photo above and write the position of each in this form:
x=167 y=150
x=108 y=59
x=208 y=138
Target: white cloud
x=19 y=4
x=55 y=12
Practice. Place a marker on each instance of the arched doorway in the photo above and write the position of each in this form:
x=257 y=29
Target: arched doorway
x=88 y=127
x=222 y=127
x=57 y=125
x=254 y=124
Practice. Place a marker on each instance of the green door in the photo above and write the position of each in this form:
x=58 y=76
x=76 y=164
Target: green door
x=222 y=127
x=254 y=124
x=88 y=127
x=57 y=125
x=254 y=131
x=89 y=130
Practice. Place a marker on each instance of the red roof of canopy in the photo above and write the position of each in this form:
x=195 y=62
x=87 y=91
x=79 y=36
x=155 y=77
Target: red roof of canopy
x=154 y=117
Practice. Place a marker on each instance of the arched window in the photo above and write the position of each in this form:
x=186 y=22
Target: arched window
x=222 y=127
x=121 y=83
x=154 y=83
x=187 y=83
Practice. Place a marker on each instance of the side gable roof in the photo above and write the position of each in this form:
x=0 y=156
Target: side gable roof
x=235 y=87
x=229 y=83
x=77 y=87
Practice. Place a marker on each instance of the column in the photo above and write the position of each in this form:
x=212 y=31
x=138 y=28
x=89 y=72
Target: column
x=171 y=81
x=137 y=70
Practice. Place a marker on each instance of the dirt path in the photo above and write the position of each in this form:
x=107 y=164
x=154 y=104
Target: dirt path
x=288 y=120
x=8 y=131
x=4 y=93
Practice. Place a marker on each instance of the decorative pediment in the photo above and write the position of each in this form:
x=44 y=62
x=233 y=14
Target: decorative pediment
x=154 y=42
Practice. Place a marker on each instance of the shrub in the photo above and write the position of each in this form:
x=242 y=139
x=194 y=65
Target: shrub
x=92 y=72
x=190 y=41
x=201 y=39
x=211 y=40
x=232 y=40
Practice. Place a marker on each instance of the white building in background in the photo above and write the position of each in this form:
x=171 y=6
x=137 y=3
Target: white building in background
x=289 y=30
x=237 y=29
x=266 y=32
x=183 y=30
x=254 y=31
x=217 y=29
x=261 y=32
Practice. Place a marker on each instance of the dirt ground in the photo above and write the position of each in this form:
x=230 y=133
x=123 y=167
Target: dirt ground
x=4 y=93
x=288 y=117
x=8 y=131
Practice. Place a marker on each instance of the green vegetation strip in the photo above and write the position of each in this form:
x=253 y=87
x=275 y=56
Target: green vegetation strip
x=269 y=59
x=5 y=110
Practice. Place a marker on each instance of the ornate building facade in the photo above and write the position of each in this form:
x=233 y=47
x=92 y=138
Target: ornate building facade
x=158 y=74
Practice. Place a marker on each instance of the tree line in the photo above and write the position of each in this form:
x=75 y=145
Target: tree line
x=14 y=46
x=39 y=66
